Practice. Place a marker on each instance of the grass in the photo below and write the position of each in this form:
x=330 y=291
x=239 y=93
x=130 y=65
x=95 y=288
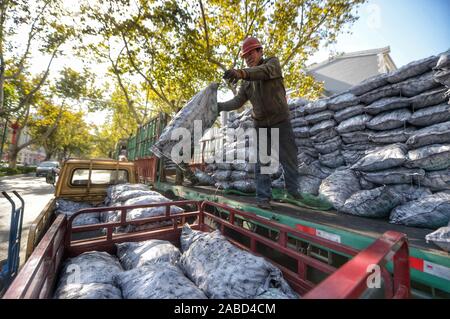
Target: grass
x=6 y=171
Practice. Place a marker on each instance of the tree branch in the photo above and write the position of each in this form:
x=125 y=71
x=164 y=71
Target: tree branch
x=208 y=48
x=121 y=85
x=31 y=35
x=149 y=82
x=300 y=42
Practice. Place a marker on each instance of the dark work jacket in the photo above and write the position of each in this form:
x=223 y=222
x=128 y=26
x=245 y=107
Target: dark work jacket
x=265 y=89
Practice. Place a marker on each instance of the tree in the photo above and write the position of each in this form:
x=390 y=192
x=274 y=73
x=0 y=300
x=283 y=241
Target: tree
x=40 y=21
x=147 y=42
x=70 y=137
x=292 y=30
x=71 y=86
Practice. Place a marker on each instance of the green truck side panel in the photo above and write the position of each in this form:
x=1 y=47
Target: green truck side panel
x=350 y=239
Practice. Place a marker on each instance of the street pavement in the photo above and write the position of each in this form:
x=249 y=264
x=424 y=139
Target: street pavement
x=35 y=192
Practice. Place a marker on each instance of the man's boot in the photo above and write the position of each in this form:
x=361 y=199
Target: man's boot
x=264 y=204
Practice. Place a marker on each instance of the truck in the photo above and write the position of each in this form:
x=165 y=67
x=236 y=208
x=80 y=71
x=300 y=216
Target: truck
x=81 y=181
x=428 y=265
x=39 y=274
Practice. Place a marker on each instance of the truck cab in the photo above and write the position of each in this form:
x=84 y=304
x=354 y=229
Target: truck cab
x=80 y=180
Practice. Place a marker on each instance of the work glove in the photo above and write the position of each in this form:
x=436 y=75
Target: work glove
x=233 y=75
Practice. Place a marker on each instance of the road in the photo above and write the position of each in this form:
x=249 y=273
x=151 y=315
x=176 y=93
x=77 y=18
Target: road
x=35 y=192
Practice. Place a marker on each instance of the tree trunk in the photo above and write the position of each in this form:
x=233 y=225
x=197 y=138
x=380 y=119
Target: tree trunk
x=12 y=155
x=48 y=156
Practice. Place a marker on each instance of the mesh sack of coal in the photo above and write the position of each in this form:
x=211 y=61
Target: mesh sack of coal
x=321 y=126
x=126 y=195
x=338 y=187
x=301 y=131
x=222 y=176
x=348 y=112
x=382 y=158
x=412 y=69
x=203 y=177
x=394 y=176
x=299 y=121
x=382 y=92
x=137 y=254
x=440 y=237
x=390 y=120
x=356 y=123
x=369 y=84
x=246 y=185
x=366 y=185
x=202 y=107
x=316 y=106
x=428 y=98
x=436 y=181
x=241 y=175
x=309 y=185
x=114 y=190
x=222 y=270
x=374 y=203
x=399 y=135
x=300 y=142
x=314 y=169
x=342 y=101
x=431 y=158
x=432 y=211
x=434 y=134
x=356 y=137
x=351 y=157
x=223 y=185
x=305 y=157
x=361 y=146
x=224 y=166
x=319 y=117
x=88 y=291
x=68 y=208
x=332 y=160
x=431 y=115
x=146 y=212
x=150 y=211
x=387 y=104
x=86 y=269
x=329 y=146
x=246 y=167
x=157 y=281
x=324 y=135
x=417 y=85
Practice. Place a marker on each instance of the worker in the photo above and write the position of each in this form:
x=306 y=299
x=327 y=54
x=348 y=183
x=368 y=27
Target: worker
x=262 y=84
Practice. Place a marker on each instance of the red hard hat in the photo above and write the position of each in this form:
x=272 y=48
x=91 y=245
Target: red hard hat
x=249 y=44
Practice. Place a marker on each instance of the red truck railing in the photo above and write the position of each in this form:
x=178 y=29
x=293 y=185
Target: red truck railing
x=38 y=276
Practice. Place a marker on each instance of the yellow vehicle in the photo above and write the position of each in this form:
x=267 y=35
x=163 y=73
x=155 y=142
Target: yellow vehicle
x=82 y=181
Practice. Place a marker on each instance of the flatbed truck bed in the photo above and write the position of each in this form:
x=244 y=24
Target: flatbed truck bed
x=428 y=263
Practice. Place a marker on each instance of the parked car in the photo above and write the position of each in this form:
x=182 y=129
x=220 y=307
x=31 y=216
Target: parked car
x=46 y=167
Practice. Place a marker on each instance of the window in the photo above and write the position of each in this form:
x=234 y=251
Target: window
x=99 y=176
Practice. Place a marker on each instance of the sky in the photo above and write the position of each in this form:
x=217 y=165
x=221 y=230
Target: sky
x=413 y=29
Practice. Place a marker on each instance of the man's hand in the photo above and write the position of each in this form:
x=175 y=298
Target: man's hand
x=233 y=75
